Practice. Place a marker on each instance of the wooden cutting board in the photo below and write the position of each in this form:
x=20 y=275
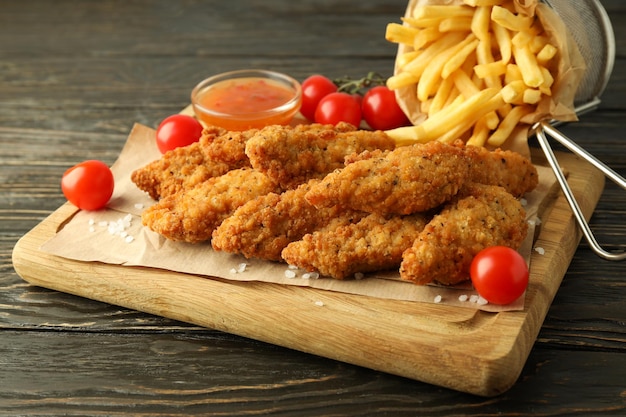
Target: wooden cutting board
x=460 y=348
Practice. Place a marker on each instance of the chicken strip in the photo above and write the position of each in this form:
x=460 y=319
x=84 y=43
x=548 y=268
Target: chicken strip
x=375 y=243
x=217 y=152
x=406 y=180
x=507 y=169
x=481 y=216
x=263 y=227
x=193 y=214
x=420 y=177
x=291 y=156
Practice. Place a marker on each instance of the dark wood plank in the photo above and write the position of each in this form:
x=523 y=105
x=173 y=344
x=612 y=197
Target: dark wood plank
x=75 y=76
x=180 y=374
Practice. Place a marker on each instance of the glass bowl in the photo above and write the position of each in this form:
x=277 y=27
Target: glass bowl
x=247 y=99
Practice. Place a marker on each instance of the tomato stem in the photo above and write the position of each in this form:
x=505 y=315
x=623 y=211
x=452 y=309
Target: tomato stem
x=356 y=86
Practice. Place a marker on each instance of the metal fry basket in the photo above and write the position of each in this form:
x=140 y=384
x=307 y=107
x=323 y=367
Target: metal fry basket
x=592 y=31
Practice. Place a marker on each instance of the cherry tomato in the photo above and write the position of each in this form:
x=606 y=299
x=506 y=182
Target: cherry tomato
x=176 y=131
x=88 y=185
x=499 y=274
x=381 y=110
x=314 y=89
x=338 y=107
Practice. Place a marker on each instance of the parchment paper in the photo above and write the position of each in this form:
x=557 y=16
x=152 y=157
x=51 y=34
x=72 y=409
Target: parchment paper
x=85 y=236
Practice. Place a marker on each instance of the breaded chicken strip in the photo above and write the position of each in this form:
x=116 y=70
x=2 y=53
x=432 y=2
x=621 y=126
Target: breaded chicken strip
x=375 y=243
x=193 y=214
x=481 y=216
x=263 y=227
x=507 y=169
x=420 y=177
x=291 y=156
x=406 y=180
x=217 y=152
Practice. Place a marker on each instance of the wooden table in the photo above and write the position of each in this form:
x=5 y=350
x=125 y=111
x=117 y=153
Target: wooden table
x=76 y=75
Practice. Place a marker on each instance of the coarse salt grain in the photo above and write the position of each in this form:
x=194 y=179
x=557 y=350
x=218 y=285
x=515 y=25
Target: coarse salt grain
x=129 y=239
x=139 y=206
x=91 y=222
x=437 y=299
x=290 y=273
x=319 y=303
x=473 y=298
x=463 y=297
x=242 y=267
x=523 y=202
x=540 y=250
x=481 y=301
x=92 y=229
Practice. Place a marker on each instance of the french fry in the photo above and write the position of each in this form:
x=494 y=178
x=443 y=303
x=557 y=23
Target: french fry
x=436 y=11
x=426 y=36
x=406 y=57
x=527 y=63
x=503 y=39
x=480 y=133
x=464 y=84
x=546 y=54
x=505 y=18
x=459 y=112
x=492 y=69
x=398 y=33
x=548 y=81
x=457 y=60
x=507 y=125
x=513 y=92
x=441 y=96
x=513 y=73
x=455 y=24
x=401 y=80
x=478 y=3
x=432 y=72
x=481 y=22
x=531 y=96
x=444 y=43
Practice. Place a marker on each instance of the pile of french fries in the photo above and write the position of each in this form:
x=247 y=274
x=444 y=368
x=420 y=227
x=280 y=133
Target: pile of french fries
x=478 y=68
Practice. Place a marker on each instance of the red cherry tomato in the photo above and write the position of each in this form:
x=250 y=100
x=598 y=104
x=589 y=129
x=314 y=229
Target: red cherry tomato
x=88 y=185
x=381 y=110
x=338 y=107
x=314 y=89
x=499 y=274
x=176 y=131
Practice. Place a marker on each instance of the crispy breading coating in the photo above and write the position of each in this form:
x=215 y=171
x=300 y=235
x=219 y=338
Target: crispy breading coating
x=263 y=227
x=217 y=152
x=481 y=216
x=291 y=156
x=375 y=243
x=507 y=169
x=192 y=215
x=406 y=180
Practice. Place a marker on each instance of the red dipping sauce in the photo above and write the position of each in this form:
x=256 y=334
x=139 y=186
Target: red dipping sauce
x=247 y=99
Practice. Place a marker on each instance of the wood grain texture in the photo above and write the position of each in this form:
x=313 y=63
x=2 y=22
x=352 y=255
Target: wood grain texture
x=76 y=75
x=446 y=346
